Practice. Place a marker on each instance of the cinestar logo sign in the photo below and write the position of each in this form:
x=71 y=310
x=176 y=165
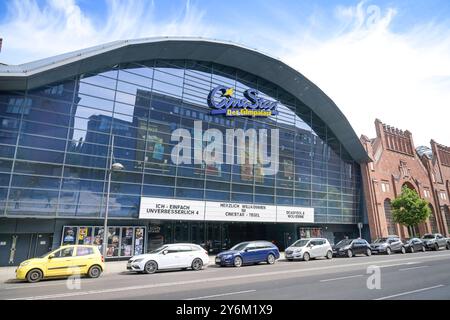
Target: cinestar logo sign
x=221 y=100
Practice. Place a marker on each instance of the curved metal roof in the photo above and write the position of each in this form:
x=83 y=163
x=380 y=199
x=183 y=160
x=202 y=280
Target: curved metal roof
x=34 y=74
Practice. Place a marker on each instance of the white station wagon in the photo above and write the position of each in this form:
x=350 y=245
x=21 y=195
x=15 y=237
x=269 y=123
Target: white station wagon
x=170 y=256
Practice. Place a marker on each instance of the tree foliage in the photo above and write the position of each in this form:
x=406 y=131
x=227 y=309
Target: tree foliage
x=409 y=209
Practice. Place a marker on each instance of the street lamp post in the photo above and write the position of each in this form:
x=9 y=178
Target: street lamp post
x=111 y=167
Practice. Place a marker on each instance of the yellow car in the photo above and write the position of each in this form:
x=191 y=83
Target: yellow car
x=65 y=261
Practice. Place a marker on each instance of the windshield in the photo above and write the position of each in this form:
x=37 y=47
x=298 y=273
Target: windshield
x=300 y=243
x=158 y=250
x=381 y=240
x=345 y=242
x=428 y=236
x=240 y=246
x=45 y=254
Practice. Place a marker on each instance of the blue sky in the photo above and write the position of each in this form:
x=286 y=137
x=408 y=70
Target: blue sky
x=375 y=59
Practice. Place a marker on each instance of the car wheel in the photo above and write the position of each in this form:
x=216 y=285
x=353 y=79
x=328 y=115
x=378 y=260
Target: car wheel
x=238 y=262
x=306 y=256
x=411 y=249
x=403 y=250
x=436 y=247
x=368 y=252
x=150 y=267
x=388 y=251
x=34 y=275
x=447 y=246
x=197 y=264
x=270 y=259
x=349 y=253
x=329 y=255
x=94 y=272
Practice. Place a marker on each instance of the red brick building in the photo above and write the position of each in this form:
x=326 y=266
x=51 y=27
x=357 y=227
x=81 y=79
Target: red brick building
x=397 y=163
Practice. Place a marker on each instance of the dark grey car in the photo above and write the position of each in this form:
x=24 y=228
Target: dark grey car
x=435 y=241
x=414 y=245
x=388 y=245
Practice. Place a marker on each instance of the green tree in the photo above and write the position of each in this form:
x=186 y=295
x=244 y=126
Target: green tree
x=409 y=209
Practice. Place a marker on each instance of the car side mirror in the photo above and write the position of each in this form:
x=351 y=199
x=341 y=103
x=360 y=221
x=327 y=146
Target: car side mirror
x=165 y=252
x=246 y=250
x=51 y=256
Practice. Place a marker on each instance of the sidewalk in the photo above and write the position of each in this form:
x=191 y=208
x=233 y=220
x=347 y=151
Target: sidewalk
x=7 y=274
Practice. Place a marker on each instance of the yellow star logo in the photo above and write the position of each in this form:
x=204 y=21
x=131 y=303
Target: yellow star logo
x=228 y=93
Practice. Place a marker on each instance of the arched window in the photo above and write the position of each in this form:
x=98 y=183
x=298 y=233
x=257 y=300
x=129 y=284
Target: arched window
x=433 y=222
x=409 y=186
x=388 y=214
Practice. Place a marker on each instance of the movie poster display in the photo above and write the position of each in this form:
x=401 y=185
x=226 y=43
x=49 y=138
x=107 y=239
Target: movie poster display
x=139 y=241
x=122 y=241
x=69 y=235
x=126 y=242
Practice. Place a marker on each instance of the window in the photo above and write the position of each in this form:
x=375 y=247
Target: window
x=84 y=251
x=185 y=248
x=15 y=105
x=66 y=252
x=173 y=249
x=443 y=195
x=55 y=90
x=385 y=186
x=427 y=193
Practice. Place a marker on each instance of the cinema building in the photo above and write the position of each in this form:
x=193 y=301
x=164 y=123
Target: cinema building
x=58 y=117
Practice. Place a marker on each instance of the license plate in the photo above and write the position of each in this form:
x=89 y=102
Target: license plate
x=217 y=259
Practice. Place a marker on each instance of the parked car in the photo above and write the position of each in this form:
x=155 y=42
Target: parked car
x=414 y=245
x=351 y=247
x=306 y=249
x=64 y=261
x=170 y=256
x=435 y=241
x=388 y=245
x=251 y=252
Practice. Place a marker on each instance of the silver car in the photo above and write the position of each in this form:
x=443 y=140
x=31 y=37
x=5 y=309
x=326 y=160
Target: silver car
x=306 y=249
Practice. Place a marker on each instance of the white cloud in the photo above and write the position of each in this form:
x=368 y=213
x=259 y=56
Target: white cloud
x=369 y=70
x=32 y=32
x=372 y=72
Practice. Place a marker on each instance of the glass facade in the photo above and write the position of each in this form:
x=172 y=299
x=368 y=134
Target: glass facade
x=54 y=143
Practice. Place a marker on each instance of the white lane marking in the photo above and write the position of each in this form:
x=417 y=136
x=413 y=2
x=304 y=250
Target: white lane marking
x=413 y=268
x=222 y=295
x=341 y=278
x=246 y=276
x=410 y=292
x=400 y=264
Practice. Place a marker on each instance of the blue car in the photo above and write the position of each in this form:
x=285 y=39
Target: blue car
x=252 y=252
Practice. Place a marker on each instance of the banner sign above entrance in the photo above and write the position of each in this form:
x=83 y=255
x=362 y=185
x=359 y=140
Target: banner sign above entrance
x=227 y=211
x=173 y=209
x=295 y=214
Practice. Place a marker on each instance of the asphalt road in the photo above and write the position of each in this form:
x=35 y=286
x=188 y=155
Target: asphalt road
x=410 y=276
